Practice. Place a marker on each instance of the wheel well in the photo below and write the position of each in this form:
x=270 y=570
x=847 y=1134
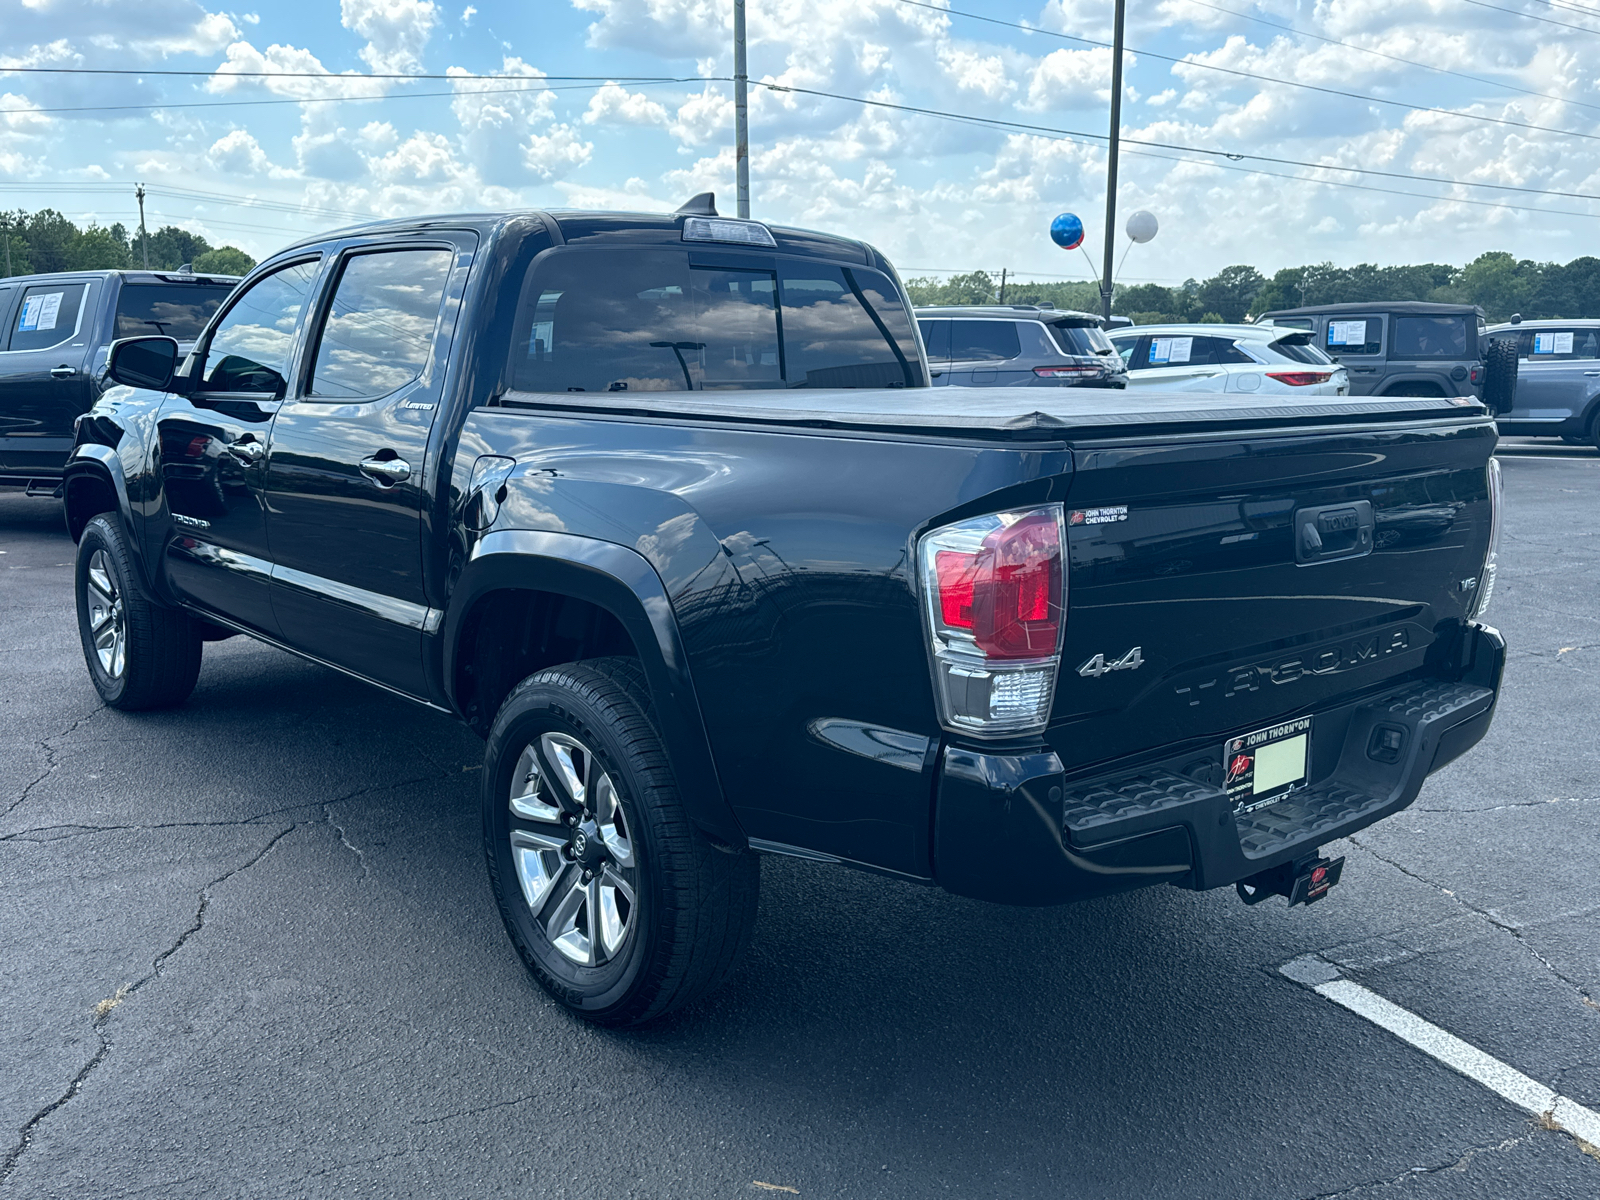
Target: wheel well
x=87 y=496
x=1414 y=389
x=511 y=633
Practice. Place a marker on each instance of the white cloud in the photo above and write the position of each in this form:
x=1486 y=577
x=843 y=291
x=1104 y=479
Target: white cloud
x=396 y=31
x=616 y=105
x=556 y=153
x=1071 y=79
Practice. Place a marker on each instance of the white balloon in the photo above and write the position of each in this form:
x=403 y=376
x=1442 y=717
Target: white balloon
x=1142 y=226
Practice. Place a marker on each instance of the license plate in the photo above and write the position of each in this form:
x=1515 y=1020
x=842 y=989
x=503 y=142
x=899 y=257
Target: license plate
x=1265 y=766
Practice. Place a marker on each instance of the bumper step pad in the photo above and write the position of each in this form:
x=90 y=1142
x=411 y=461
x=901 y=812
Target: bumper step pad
x=1107 y=809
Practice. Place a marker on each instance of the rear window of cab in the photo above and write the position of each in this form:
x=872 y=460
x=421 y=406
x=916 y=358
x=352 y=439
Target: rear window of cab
x=666 y=320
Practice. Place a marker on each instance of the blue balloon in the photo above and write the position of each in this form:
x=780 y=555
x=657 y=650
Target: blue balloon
x=1066 y=231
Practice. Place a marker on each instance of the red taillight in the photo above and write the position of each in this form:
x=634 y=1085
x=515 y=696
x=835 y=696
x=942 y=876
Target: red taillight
x=1477 y=376
x=957 y=573
x=1008 y=591
x=1075 y=371
x=1300 y=378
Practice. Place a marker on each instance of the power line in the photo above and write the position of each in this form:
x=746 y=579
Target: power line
x=1517 y=13
x=1096 y=138
x=1310 y=87
x=1410 y=62
x=452 y=94
x=223 y=73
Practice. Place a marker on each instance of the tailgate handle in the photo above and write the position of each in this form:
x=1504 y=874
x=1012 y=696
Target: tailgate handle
x=1333 y=531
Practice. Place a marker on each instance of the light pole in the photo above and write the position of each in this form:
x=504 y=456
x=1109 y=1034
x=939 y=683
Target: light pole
x=741 y=111
x=1111 y=159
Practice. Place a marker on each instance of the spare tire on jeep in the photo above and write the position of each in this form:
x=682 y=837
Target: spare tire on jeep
x=1500 y=375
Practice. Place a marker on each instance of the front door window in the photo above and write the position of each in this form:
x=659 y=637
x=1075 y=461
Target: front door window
x=251 y=348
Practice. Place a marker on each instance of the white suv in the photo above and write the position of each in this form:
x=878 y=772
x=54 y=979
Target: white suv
x=1229 y=358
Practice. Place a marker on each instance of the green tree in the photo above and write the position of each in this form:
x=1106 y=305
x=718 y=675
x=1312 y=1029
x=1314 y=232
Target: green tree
x=224 y=260
x=100 y=249
x=15 y=258
x=1497 y=283
x=52 y=239
x=1229 y=292
x=171 y=247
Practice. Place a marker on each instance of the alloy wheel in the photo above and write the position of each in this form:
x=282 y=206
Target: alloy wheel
x=107 y=624
x=574 y=851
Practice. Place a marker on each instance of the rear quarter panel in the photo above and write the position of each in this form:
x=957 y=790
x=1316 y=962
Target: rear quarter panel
x=788 y=559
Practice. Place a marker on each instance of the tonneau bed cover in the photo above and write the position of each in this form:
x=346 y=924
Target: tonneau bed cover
x=1006 y=413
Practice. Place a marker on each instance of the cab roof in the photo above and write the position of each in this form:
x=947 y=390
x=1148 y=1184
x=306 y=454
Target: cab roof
x=614 y=228
x=1406 y=307
x=1009 y=312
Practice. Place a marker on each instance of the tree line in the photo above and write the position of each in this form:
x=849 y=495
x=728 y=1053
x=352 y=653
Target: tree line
x=44 y=241
x=1497 y=282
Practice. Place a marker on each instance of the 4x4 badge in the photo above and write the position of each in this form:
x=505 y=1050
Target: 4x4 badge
x=1098 y=666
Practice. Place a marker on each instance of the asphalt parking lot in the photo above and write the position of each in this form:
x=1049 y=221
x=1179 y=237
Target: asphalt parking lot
x=248 y=949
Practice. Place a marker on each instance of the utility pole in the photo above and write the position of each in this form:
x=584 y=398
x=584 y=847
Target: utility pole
x=5 y=225
x=144 y=238
x=741 y=110
x=1111 y=160
x=1002 y=299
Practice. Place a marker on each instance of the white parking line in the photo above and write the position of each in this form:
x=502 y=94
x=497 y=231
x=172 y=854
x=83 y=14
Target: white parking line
x=1527 y=1094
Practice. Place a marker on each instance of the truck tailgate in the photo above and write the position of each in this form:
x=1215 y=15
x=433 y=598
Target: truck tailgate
x=1260 y=576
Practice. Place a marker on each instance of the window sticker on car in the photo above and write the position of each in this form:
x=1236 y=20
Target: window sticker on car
x=1552 y=343
x=1170 y=350
x=39 y=312
x=1347 y=333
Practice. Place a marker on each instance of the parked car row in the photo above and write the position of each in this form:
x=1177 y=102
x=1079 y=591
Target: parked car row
x=55 y=331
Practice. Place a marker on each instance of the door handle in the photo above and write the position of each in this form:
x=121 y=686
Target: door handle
x=387 y=471
x=1592 y=372
x=247 y=450
x=62 y=372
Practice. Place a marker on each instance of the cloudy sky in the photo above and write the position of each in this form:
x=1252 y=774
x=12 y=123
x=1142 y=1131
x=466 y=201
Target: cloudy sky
x=257 y=161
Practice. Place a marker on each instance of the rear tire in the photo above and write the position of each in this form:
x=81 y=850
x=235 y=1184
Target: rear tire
x=140 y=654
x=619 y=906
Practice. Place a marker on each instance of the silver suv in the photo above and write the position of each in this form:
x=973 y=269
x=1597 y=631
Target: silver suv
x=1018 y=345
x=1558 y=380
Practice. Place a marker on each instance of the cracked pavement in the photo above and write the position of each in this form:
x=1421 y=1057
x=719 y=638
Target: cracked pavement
x=247 y=949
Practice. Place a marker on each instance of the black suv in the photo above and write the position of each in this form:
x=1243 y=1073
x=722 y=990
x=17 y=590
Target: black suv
x=1410 y=348
x=1018 y=345
x=54 y=333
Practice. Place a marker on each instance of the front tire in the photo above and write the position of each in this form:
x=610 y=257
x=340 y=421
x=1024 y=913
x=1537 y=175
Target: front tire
x=618 y=905
x=140 y=654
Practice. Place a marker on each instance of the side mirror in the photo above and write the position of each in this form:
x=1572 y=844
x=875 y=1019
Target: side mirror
x=144 y=362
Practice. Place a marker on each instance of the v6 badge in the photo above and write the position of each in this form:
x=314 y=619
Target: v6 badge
x=1098 y=666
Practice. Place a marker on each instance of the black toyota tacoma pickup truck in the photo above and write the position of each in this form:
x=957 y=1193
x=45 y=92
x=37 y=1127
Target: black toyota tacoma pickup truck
x=663 y=507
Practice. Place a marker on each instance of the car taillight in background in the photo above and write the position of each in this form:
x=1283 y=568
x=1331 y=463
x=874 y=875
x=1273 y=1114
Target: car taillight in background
x=1497 y=501
x=1072 y=371
x=1300 y=378
x=1477 y=375
x=995 y=602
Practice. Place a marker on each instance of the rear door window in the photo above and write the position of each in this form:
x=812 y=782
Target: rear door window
x=48 y=316
x=1430 y=337
x=936 y=339
x=379 y=330
x=1354 y=335
x=1159 y=351
x=984 y=341
x=643 y=320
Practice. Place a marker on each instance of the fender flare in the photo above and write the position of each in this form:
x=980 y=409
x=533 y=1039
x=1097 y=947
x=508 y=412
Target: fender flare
x=624 y=583
x=1438 y=379
x=92 y=460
